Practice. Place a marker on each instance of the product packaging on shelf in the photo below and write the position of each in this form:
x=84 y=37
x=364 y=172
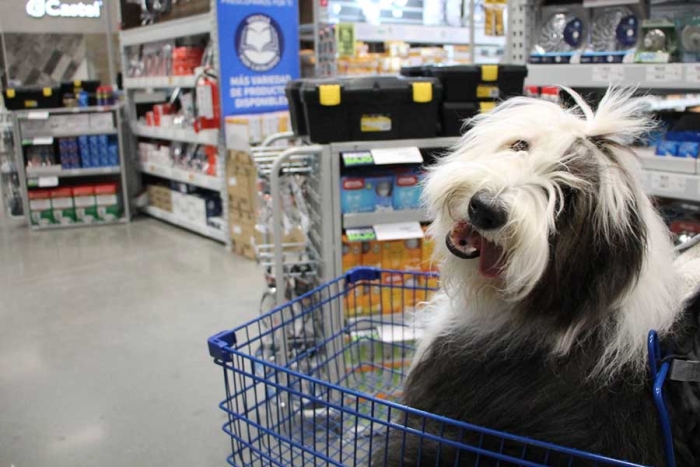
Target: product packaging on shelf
x=241 y=182
x=407 y=189
x=253 y=129
x=688 y=27
x=108 y=201
x=85 y=204
x=62 y=206
x=658 y=42
x=614 y=34
x=560 y=34
x=160 y=197
x=366 y=193
x=40 y=211
x=351 y=258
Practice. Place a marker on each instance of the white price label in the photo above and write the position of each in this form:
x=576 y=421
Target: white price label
x=398 y=231
x=664 y=73
x=41 y=141
x=410 y=155
x=668 y=182
x=37 y=115
x=692 y=73
x=608 y=73
x=45 y=182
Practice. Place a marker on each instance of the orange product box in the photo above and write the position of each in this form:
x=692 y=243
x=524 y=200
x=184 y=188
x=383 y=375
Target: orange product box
x=372 y=254
x=392 y=293
x=352 y=254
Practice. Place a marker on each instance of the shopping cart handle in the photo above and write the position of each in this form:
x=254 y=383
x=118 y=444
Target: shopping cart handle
x=362 y=274
x=218 y=344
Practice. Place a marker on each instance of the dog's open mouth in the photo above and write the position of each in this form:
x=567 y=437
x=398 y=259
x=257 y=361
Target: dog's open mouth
x=465 y=242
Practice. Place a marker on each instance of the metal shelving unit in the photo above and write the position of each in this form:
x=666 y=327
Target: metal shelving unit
x=27 y=133
x=10 y=194
x=140 y=90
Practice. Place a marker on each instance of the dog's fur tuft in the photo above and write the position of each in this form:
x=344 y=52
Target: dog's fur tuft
x=559 y=336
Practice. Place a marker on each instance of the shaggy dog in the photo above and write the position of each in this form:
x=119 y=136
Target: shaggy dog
x=554 y=267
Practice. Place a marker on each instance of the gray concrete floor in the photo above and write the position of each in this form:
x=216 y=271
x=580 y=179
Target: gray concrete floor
x=103 y=355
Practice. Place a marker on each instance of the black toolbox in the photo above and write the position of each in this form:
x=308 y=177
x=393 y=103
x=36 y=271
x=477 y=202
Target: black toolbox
x=296 y=107
x=32 y=97
x=371 y=108
x=468 y=83
x=453 y=116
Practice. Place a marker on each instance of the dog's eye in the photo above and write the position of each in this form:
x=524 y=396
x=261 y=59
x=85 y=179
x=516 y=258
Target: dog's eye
x=520 y=145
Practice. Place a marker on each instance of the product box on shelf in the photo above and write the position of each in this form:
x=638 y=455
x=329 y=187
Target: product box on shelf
x=160 y=197
x=244 y=237
x=108 y=203
x=85 y=204
x=371 y=108
x=659 y=42
x=366 y=193
x=351 y=254
x=470 y=83
x=559 y=34
x=40 y=212
x=32 y=97
x=249 y=129
x=407 y=189
x=62 y=206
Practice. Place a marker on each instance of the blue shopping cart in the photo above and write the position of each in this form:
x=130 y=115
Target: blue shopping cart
x=319 y=380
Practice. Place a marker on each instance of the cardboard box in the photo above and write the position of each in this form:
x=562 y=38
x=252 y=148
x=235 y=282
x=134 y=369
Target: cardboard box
x=393 y=293
x=40 y=212
x=108 y=202
x=238 y=215
x=62 y=206
x=352 y=254
x=245 y=236
x=85 y=204
x=242 y=181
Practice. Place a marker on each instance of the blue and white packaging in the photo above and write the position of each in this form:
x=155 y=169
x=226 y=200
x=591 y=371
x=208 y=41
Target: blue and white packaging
x=688 y=149
x=366 y=194
x=407 y=190
x=667 y=148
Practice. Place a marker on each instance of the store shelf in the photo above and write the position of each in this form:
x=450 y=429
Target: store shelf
x=40 y=139
x=190 y=26
x=180 y=175
x=355 y=220
x=672 y=185
x=33 y=172
x=210 y=137
x=154 y=82
x=674 y=76
x=650 y=161
x=166 y=216
x=77 y=225
x=41 y=114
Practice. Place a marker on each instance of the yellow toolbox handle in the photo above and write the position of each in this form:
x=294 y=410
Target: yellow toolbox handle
x=486 y=106
x=422 y=92
x=489 y=72
x=329 y=94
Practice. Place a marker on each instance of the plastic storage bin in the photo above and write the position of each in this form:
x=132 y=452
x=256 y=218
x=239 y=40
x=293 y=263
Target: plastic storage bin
x=32 y=98
x=454 y=114
x=317 y=382
x=371 y=108
x=464 y=83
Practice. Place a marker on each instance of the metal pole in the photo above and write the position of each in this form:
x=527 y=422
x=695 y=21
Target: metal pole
x=110 y=42
x=472 y=32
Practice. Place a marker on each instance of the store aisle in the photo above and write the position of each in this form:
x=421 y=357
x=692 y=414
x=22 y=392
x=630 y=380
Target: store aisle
x=103 y=356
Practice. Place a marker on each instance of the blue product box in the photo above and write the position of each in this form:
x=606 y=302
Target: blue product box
x=102 y=139
x=407 y=189
x=667 y=148
x=366 y=194
x=688 y=149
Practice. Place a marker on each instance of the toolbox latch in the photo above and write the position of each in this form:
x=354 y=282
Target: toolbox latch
x=486 y=106
x=489 y=72
x=422 y=92
x=10 y=93
x=47 y=92
x=329 y=94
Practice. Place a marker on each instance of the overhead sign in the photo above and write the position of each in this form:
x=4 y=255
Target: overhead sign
x=60 y=9
x=259 y=53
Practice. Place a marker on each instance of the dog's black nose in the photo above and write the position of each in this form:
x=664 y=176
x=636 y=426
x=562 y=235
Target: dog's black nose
x=485 y=212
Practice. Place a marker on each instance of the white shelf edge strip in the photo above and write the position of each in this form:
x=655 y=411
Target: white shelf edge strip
x=191 y=26
x=181 y=175
x=207 y=137
x=180 y=222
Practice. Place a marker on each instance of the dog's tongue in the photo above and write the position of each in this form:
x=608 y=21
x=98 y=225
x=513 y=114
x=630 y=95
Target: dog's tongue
x=490 y=259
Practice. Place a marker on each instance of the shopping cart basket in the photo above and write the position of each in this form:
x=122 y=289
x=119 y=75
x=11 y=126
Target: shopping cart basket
x=318 y=381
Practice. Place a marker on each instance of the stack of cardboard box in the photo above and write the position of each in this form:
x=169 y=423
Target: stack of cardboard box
x=160 y=197
x=241 y=180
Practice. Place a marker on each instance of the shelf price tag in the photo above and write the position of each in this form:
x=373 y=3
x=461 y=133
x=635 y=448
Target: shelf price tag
x=409 y=155
x=362 y=234
x=357 y=158
x=45 y=182
x=398 y=231
x=664 y=73
x=41 y=141
x=608 y=73
x=668 y=182
x=37 y=115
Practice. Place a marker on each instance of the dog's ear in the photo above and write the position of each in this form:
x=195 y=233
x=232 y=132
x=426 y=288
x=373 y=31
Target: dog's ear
x=619 y=118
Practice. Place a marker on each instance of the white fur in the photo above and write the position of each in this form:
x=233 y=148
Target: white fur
x=529 y=183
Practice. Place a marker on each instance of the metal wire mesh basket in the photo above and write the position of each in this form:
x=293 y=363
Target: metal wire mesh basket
x=319 y=382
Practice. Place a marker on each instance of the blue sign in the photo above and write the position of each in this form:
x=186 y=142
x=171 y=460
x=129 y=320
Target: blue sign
x=258 y=52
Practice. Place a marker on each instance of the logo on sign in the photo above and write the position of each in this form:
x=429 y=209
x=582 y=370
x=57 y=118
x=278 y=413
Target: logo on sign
x=353 y=184
x=406 y=180
x=56 y=8
x=259 y=42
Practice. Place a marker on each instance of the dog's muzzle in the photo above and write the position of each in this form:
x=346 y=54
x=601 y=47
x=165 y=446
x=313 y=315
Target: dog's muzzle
x=465 y=242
